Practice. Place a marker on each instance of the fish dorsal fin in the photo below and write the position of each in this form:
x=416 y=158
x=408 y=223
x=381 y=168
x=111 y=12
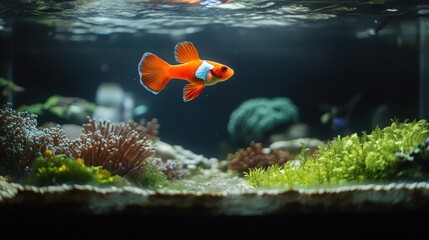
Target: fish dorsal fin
x=185 y=52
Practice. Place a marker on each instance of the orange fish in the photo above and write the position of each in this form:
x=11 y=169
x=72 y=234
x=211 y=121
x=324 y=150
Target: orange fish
x=155 y=73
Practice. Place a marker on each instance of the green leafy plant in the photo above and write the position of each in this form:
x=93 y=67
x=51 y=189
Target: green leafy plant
x=352 y=159
x=150 y=177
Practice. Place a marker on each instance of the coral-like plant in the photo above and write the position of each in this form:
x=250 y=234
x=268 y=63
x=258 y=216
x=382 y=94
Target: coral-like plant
x=172 y=169
x=21 y=141
x=371 y=157
x=144 y=128
x=254 y=156
x=57 y=169
x=114 y=146
x=255 y=118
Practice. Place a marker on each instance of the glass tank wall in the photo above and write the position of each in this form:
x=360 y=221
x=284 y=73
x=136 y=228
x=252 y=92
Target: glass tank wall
x=345 y=66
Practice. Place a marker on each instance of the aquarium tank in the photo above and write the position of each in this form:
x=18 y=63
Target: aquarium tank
x=196 y=113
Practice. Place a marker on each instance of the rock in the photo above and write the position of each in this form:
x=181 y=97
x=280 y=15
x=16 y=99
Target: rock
x=112 y=114
x=189 y=159
x=295 y=146
x=164 y=151
x=72 y=131
x=113 y=103
x=110 y=95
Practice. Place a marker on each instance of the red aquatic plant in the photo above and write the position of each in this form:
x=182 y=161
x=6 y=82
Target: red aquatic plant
x=114 y=146
x=255 y=156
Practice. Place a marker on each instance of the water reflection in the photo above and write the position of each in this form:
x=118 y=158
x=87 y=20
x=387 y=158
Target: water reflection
x=207 y=3
x=182 y=17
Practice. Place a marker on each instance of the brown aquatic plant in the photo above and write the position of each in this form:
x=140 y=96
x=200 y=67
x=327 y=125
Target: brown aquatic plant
x=145 y=128
x=255 y=156
x=114 y=146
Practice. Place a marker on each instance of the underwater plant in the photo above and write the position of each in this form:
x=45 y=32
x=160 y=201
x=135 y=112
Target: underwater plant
x=255 y=118
x=52 y=169
x=255 y=156
x=172 y=169
x=61 y=109
x=150 y=177
x=378 y=156
x=145 y=128
x=21 y=141
x=114 y=146
x=9 y=87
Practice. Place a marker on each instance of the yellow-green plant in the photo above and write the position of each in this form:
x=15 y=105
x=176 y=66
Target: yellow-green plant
x=57 y=169
x=349 y=159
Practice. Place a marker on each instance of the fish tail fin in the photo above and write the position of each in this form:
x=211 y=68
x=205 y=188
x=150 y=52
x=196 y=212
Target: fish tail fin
x=154 y=72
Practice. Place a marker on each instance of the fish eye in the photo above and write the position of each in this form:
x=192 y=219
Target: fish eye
x=224 y=69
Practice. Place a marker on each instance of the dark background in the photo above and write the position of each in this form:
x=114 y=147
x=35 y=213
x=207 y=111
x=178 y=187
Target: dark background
x=311 y=66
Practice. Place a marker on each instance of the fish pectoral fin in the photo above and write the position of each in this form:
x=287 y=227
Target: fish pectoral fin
x=192 y=91
x=185 y=52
